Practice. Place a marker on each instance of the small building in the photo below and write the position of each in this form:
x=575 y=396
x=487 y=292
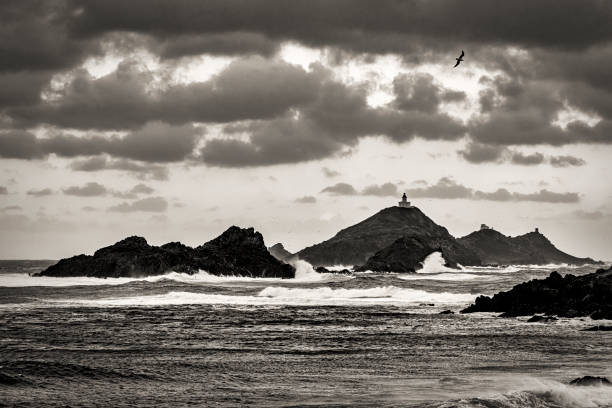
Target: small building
x=537 y=231
x=484 y=227
x=404 y=203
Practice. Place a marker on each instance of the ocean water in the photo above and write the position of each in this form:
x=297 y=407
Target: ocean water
x=318 y=340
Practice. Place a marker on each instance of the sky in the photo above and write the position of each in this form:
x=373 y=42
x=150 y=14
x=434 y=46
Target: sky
x=174 y=120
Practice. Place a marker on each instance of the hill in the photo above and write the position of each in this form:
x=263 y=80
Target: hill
x=355 y=244
x=532 y=248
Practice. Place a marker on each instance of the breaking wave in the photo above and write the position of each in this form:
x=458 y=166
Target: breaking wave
x=456 y=276
x=540 y=394
x=435 y=263
x=279 y=295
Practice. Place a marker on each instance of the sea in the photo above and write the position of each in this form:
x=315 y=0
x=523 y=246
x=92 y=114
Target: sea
x=319 y=340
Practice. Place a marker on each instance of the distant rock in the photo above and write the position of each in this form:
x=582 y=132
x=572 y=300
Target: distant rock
x=542 y=319
x=237 y=252
x=568 y=296
x=598 y=328
x=590 y=380
x=322 y=269
x=408 y=253
x=495 y=248
x=444 y=312
x=279 y=252
x=356 y=244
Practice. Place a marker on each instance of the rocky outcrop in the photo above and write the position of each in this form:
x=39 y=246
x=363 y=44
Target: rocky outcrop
x=356 y=244
x=408 y=253
x=532 y=248
x=237 y=252
x=589 y=380
x=279 y=252
x=565 y=296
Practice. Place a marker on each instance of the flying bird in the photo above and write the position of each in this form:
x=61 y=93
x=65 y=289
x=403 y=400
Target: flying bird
x=459 y=59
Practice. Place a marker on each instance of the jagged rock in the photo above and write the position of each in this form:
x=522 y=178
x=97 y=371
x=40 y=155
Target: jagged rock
x=568 y=296
x=279 y=252
x=541 y=319
x=408 y=253
x=590 y=380
x=238 y=252
x=495 y=248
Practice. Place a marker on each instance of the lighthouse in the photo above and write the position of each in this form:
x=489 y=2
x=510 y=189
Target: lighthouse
x=404 y=203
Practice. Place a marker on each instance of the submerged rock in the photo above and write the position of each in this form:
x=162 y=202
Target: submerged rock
x=322 y=269
x=542 y=319
x=237 y=252
x=447 y=312
x=568 y=296
x=590 y=380
x=598 y=328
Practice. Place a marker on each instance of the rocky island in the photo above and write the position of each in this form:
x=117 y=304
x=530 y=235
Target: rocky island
x=564 y=296
x=237 y=252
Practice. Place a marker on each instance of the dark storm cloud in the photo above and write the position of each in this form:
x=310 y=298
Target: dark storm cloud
x=306 y=200
x=566 y=161
x=527 y=159
x=34 y=35
x=155 y=142
x=22 y=88
x=340 y=189
x=150 y=204
x=121 y=100
x=91 y=189
x=366 y=25
x=40 y=193
x=227 y=43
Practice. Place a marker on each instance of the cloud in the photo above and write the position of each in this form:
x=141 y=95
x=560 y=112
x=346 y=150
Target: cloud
x=387 y=189
x=3 y=190
x=340 y=189
x=329 y=173
x=543 y=196
x=444 y=188
x=40 y=193
x=150 y=204
x=482 y=153
x=566 y=161
x=11 y=208
x=141 y=170
x=527 y=159
x=134 y=192
x=306 y=200
x=91 y=189
x=590 y=215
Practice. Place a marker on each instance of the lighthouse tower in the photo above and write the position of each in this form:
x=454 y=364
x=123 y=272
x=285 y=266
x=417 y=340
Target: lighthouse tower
x=404 y=203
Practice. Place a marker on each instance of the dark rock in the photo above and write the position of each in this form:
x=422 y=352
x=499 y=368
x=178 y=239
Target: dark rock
x=408 y=253
x=598 y=328
x=590 y=380
x=567 y=296
x=447 y=312
x=322 y=269
x=493 y=247
x=541 y=319
x=355 y=244
x=238 y=252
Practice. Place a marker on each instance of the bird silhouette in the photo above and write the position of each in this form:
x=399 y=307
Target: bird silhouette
x=459 y=59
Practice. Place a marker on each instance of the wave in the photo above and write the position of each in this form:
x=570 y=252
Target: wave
x=280 y=295
x=435 y=263
x=542 y=394
x=304 y=273
x=456 y=276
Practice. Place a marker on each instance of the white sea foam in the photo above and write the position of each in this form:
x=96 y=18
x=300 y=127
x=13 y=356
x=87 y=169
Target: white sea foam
x=304 y=272
x=279 y=295
x=435 y=263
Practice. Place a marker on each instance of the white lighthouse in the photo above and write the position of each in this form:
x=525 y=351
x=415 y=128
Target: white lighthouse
x=404 y=203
